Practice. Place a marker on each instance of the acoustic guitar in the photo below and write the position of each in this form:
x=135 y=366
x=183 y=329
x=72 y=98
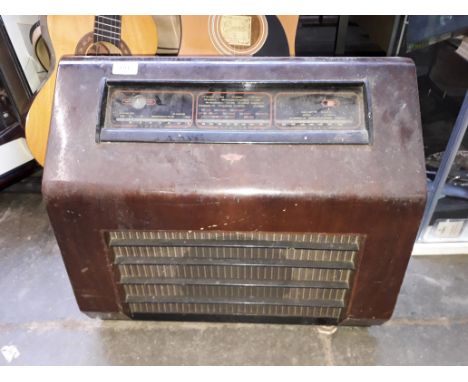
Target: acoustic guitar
x=238 y=35
x=84 y=35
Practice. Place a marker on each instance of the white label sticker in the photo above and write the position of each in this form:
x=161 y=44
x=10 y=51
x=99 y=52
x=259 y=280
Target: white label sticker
x=449 y=228
x=125 y=67
x=237 y=30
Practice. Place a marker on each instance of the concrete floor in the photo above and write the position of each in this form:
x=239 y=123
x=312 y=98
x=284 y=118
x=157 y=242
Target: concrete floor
x=39 y=317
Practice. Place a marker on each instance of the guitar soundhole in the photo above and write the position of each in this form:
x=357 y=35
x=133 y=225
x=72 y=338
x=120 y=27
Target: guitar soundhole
x=87 y=47
x=238 y=35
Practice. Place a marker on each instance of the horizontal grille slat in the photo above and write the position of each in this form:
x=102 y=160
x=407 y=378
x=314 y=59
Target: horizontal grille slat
x=241 y=254
x=350 y=239
x=233 y=300
x=269 y=283
x=215 y=291
x=235 y=273
x=249 y=262
x=262 y=244
x=233 y=309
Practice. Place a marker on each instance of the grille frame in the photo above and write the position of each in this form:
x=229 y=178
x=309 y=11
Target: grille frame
x=325 y=249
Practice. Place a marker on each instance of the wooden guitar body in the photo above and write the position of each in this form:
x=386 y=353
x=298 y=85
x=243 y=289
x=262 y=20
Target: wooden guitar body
x=72 y=35
x=238 y=35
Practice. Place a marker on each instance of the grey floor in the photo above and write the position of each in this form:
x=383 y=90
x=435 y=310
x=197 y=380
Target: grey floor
x=40 y=320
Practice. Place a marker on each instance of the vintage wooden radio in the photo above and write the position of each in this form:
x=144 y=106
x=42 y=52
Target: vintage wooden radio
x=248 y=189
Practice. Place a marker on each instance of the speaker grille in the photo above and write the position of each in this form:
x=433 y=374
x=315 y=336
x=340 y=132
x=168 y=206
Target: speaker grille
x=258 y=274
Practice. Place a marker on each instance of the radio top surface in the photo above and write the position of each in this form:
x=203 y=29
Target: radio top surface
x=238 y=125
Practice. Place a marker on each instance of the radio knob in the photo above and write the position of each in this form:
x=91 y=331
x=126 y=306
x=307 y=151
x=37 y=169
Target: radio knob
x=139 y=101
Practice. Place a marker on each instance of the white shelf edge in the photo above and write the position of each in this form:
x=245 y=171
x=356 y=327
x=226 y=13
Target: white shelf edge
x=460 y=248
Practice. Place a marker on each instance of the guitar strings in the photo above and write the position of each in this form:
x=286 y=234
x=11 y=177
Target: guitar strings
x=107 y=29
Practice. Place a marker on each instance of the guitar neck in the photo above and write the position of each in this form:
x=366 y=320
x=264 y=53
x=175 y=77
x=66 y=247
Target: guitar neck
x=108 y=29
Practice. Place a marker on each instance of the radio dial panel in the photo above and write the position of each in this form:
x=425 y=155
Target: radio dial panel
x=239 y=112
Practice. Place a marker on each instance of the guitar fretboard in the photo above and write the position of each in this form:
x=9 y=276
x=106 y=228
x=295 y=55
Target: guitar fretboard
x=107 y=28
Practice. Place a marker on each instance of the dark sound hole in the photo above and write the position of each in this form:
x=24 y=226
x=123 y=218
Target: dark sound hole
x=87 y=47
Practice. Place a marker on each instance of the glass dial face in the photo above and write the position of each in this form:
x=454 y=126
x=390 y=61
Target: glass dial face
x=237 y=106
x=139 y=101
